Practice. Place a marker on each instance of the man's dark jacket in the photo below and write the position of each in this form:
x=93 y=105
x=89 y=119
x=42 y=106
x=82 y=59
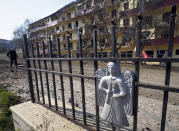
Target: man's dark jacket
x=12 y=54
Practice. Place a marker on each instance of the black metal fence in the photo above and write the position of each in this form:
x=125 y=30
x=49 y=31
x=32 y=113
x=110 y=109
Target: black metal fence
x=137 y=60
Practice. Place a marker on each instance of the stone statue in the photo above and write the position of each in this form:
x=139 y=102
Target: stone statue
x=115 y=93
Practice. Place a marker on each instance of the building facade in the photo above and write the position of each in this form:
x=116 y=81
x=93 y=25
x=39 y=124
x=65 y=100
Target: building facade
x=82 y=14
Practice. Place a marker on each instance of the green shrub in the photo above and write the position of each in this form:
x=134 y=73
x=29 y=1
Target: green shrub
x=7 y=99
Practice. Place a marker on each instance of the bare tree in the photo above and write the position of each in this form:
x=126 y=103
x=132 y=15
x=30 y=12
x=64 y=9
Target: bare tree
x=103 y=21
x=18 y=34
x=19 y=31
x=22 y=29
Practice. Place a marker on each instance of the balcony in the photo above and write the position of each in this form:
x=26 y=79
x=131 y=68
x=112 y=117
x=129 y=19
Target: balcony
x=150 y=6
x=163 y=41
x=89 y=10
x=99 y=6
x=160 y=3
x=43 y=36
x=52 y=23
x=38 y=28
x=69 y=17
x=122 y=29
x=85 y=11
x=60 y=18
x=162 y=25
x=129 y=12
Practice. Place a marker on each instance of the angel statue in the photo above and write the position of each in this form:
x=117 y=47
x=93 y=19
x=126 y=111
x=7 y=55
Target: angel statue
x=115 y=94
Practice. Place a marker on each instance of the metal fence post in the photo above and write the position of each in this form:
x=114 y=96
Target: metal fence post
x=40 y=73
x=35 y=72
x=137 y=69
x=95 y=68
x=61 y=76
x=29 y=71
x=53 y=75
x=82 y=79
x=46 y=74
x=71 y=78
x=113 y=51
x=168 y=66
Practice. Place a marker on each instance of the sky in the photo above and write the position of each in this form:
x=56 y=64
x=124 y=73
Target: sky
x=13 y=13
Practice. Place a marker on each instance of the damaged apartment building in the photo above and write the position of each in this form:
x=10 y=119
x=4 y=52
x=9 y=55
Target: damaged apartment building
x=82 y=15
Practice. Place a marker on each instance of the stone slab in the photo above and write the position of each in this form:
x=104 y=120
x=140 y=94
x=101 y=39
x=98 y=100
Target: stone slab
x=30 y=116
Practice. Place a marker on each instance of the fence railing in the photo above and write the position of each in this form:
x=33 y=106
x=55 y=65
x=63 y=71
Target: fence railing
x=137 y=60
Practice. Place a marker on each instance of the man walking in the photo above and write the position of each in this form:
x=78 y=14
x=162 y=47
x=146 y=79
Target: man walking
x=13 y=56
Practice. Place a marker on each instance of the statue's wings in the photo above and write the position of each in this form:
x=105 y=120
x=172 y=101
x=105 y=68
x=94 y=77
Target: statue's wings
x=101 y=94
x=129 y=80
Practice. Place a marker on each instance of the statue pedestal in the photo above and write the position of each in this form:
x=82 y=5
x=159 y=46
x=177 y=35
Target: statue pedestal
x=30 y=116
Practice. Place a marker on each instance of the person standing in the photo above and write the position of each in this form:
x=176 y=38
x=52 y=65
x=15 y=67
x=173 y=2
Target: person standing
x=13 y=56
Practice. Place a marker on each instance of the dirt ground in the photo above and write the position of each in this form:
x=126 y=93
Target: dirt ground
x=150 y=101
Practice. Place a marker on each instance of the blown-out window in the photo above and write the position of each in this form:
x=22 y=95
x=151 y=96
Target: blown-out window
x=69 y=15
x=126 y=5
x=126 y=22
x=160 y=53
x=69 y=26
x=148 y=21
x=177 y=52
x=150 y=53
x=166 y=17
x=113 y=13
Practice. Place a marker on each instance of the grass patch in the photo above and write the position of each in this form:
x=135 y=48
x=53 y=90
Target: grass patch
x=7 y=99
